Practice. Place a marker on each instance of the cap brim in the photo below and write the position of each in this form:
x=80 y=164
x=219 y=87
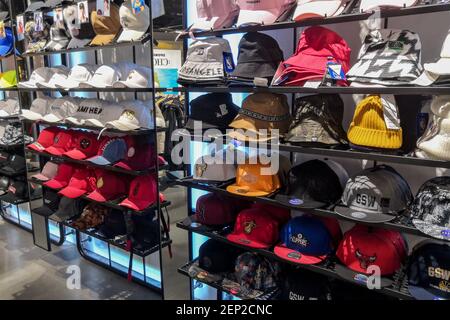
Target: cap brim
x=78 y=43
x=36 y=146
x=135 y=205
x=102 y=161
x=5 y=50
x=248 y=17
x=55 y=151
x=441 y=67
x=94 y=122
x=236 y=238
x=123 y=165
x=97 y=196
x=247 y=138
x=44 y=211
x=367 y=5
x=40 y=177
x=101 y=40
x=75 y=154
x=10 y=198
x=432 y=230
x=130 y=36
x=71 y=192
x=67 y=84
x=31 y=115
x=56 y=45
x=296 y=257
x=60 y=216
x=51 y=118
x=121 y=126
x=239 y=190
x=55 y=184
x=27 y=84
x=359 y=278
x=78 y=122
x=315 y=9
x=422 y=294
x=293 y=201
x=359 y=215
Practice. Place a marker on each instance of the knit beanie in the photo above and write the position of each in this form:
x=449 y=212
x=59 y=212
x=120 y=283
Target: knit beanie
x=368 y=128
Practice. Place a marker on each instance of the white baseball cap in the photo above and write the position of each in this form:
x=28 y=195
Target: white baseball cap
x=367 y=5
x=140 y=77
x=58 y=73
x=318 y=8
x=134 y=26
x=38 y=109
x=136 y=114
x=40 y=75
x=9 y=107
x=60 y=109
x=87 y=108
x=77 y=74
x=111 y=111
x=104 y=77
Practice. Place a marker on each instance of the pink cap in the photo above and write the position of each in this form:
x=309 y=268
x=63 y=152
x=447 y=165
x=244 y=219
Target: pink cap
x=215 y=14
x=262 y=11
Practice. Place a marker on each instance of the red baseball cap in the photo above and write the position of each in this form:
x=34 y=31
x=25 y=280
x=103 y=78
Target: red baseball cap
x=317 y=47
x=83 y=145
x=81 y=182
x=280 y=214
x=45 y=139
x=62 y=178
x=109 y=186
x=139 y=156
x=61 y=143
x=143 y=193
x=363 y=246
x=214 y=210
x=255 y=228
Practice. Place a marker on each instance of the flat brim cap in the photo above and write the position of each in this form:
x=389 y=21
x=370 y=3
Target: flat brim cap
x=367 y=5
x=190 y=124
x=55 y=3
x=239 y=239
x=130 y=36
x=359 y=278
x=432 y=230
x=297 y=203
x=364 y=216
x=296 y=257
x=10 y=198
x=35 y=6
x=421 y=293
x=102 y=39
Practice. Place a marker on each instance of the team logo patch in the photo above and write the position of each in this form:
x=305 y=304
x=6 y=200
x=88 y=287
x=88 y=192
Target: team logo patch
x=249 y=226
x=364 y=260
x=100 y=183
x=299 y=240
x=200 y=169
x=85 y=143
x=294 y=255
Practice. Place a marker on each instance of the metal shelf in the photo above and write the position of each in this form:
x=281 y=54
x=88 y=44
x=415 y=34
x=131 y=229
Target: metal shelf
x=143 y=41
x=350 y=17
x=327 y=268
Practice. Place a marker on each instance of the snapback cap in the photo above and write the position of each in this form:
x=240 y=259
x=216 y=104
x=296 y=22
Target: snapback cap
x=62 y=178
x=214 y=210
x=83 y=145
x=46 y=139
x=142 y=194
x=110 y=151
x=134 y=25
x=109 y=186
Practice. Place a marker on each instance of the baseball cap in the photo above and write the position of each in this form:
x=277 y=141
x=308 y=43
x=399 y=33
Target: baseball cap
x=388 y=57
x=109 y=151
x=109 y=186
x=57 y=74
x=114 y=225
x=8 y=79
x=61 y=143
x=104 y=77
x=262 y=111
x=35 y=5
x=67 y=209
x=215 y=14
x=305 y=285
x=7 y=43
x=134 y=25
x=106 y=28
x=262 y=12
x=368 y=5
x=139 y=155
x=15 y=164
x=46 y=139
x=9 y=107
x=48 y=172
x=142 y=194
x=86 y=109
x=255 y=228
x=208 y=169
x=318 y=121
x=216 y=257
x=135 y=115
x=207 y=61
x=429 y=271
x=254 y=271
x=109 y=111
x=39 y=107
x=17 y=190
x=78 y=74
x=314 y=184
x=81 y=182
x=429 y=209
x=59 y=38
x=140 y=77
x=375 y=195
x=51 y=204
x=307 y=240
x=42 y=76
x=317 y=47
x=83 y=145
x=36 y=40
x=259 y=57
x=370 y=129
x=220 y=112
x=214 y=210
x=81 y=33
x=62 y=177
x=60 y=109
x=363 y=247
x=307 y=9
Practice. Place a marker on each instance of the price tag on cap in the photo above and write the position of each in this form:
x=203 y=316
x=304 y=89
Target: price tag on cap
x=138 y=6
x=2 y=30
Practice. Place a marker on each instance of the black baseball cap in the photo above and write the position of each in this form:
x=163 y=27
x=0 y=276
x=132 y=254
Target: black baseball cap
x=259 y=57
x=51 y=203
x=114 y=225
x=215 y=110
x=15 y=164
x=305 y=285
x=314 y=184
x=4 y=185
x=67 y=209
x=36 y=5
x=18 y=190
x=146 y=232
x=217 y=257
x=429 y=271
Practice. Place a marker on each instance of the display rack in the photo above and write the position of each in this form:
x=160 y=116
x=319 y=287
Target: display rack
x=24 y=64
x=402 y=224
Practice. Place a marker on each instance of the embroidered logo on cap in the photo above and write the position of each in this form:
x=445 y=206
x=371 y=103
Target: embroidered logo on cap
x=85 y=143
x=299 y=240
x=200 y=169
x=365 y=260
x=100 y=183
x=249 y=226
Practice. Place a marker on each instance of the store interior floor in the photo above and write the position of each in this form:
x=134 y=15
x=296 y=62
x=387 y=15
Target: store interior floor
x=28 y=272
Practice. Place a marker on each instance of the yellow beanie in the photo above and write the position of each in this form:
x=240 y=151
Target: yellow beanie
x=369 y=129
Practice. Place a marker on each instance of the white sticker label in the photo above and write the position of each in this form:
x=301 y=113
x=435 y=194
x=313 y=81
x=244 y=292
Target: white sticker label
x=390 y=111
x=312 y=84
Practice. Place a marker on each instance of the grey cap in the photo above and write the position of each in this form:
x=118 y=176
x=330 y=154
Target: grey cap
x=224 y=169
x=9 y=107
x=87 y=109
x=68 y=208
x=60 y=109
x=38 y=109
x=375 y=195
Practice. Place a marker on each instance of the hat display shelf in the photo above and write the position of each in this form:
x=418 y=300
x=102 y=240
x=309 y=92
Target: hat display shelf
x=141 y=265
x=403 y=224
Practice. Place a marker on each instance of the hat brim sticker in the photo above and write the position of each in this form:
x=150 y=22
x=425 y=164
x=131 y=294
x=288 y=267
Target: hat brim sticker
x=359 y=278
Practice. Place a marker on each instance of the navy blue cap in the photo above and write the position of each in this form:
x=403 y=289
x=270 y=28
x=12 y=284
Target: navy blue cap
x=7 y=43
